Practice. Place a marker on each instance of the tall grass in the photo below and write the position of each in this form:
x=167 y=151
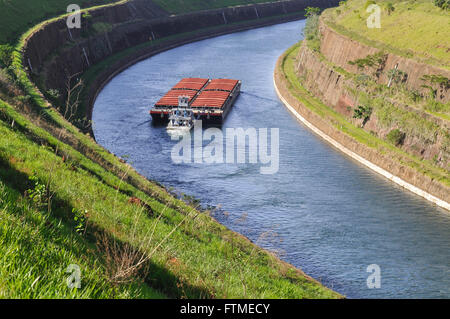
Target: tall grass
x=36 y=250
x=16 y=16
x=311 y=32
x=201 y=259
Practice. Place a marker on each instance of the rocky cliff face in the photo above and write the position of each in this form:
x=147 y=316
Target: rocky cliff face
x=337 y=91
x=340 y=49
x=319 y=72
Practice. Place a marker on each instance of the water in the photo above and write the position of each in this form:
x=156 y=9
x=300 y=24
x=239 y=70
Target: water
x=322 y=211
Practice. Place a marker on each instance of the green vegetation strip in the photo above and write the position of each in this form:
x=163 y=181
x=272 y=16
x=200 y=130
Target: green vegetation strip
x=340 y=123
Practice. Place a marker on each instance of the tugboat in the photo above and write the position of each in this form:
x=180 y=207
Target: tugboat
x=181 y=119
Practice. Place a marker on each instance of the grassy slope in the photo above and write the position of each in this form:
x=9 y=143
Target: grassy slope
x=17 y=16
x=35 y=250
x=201 y=258
x=180 y=6
x=416 y=29
x=341 y=123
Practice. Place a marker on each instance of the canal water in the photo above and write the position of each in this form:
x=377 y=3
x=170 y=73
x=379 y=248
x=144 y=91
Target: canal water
x=321 y=211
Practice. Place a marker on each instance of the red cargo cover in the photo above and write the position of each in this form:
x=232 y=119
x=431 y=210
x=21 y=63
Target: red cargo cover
x=222 y=84
x=213 y=99
x=191 y=84
x=171 y=97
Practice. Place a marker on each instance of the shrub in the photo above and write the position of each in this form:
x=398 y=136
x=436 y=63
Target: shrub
x=375 y=61
x=311 y=31
x=53 y=94
x=438 y=79
x=414 y=95
x=6 y=55
x=397 y=76
x=433 y=80
x=396 y=137
x=37 y=194
x=80 y=219
x=312 y=11
x=362 y=112
x=390 y=8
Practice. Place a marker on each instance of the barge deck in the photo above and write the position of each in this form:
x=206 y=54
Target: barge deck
x=210 y=100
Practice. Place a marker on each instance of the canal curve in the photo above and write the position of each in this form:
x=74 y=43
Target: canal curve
x=322 y=211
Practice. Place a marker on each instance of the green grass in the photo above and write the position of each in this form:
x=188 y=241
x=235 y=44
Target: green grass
x=17 y=16
x=210 y=261
x=341 y=123
x=181 y=6
x=416 y=29
x=36 y=249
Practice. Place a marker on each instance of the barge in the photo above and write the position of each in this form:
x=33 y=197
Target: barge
x=210 y=99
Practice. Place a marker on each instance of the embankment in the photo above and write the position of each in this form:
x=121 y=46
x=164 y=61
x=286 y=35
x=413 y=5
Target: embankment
x=197 y=256
x=327 y=127
x=340 y=49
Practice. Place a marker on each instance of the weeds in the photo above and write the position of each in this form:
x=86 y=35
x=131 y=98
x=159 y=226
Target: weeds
x=80 y=219
x=375 y=62
x=37 y=194
x=362 y=112
x=80 y=175
x=311 y=29
x=396 y=137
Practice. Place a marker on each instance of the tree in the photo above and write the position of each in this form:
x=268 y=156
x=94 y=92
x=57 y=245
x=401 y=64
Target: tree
x=443 y=4
x=311 y=11
x=362 y=112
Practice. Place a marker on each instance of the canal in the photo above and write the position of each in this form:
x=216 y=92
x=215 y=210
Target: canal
x=321 y=211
